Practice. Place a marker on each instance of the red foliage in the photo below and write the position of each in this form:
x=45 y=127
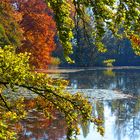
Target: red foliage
x=39 y=31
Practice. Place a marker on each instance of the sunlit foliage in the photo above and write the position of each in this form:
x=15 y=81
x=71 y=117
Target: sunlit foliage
x=106 y=15
x=135 y=39
x=64 y=23
x=48 y=93
x=10 y=32
x=109 y=62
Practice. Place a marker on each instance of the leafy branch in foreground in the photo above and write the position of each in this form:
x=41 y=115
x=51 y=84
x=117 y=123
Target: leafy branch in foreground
x=47 y=92
x=121 y=17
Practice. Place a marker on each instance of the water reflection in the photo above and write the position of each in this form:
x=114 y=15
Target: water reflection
x=121 y=117
x=37 y=127
x=127 y=81
x=127 y=114
x=122 y=120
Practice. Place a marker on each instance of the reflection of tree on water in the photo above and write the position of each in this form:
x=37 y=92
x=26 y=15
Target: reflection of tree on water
x=126 y=121
x=125 y=80
x=127 y=114
x=41 y=128
x=109 y=72
x=98 y=112
x=85 y=128
x=38 y=127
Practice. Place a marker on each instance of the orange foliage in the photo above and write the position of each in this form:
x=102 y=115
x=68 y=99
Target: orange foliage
x=135 y=39
x=39 y=31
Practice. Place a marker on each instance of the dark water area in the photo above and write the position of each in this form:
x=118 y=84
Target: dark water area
x=121 y=116
x=124 y=80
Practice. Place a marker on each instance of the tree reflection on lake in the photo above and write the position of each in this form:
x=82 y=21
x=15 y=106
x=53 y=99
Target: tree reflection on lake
x=127 y=81
x=37 y=127
x=121 y=117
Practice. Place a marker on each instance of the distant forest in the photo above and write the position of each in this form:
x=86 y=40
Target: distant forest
x=86 y=54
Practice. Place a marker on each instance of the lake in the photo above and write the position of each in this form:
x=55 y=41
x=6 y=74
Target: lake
x=121 y=115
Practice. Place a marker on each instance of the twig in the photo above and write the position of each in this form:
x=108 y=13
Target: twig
x=5 y=103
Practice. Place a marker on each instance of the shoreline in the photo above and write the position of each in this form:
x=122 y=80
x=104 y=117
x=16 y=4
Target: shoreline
x=78 y=69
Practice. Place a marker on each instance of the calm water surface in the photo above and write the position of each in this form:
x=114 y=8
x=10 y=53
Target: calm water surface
x=121 y=116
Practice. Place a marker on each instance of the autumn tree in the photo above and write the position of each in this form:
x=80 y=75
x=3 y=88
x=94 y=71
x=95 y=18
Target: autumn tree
x=10 y=31
x=16 y=74
x=39 y=32
x=135 y=39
